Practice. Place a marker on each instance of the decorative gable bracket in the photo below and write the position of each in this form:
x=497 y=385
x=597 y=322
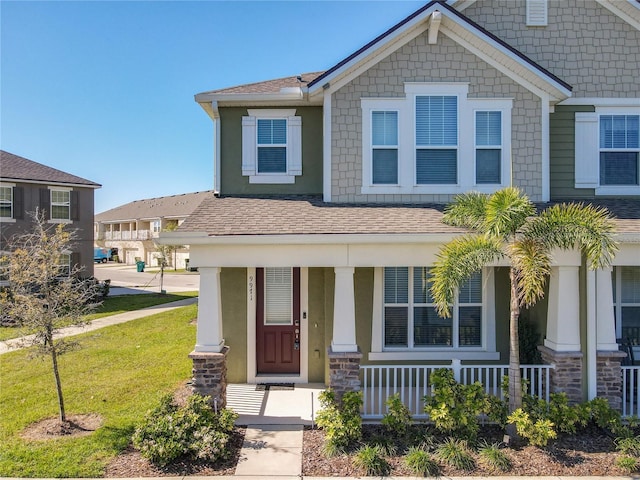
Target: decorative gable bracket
x=434 y=26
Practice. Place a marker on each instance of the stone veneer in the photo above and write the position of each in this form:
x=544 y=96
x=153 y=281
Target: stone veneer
x=609 y=376
x=417 y=61
x=210 y=375
x=344 y=371
x=567 y=375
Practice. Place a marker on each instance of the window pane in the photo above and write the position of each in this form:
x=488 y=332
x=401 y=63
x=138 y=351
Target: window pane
x=429 y=329
x=60 y=212
x=630 y=284
x=618 y=168
x=5 y=210
x=437 y=120
x=488 y=128
x=60 y=196
x=631 y=324
x=619 y=131
x=385 y=128
x=436 y=166
x=385 y=166
x=396 y=322
x=272 y=132
x=278 y=296
x=272 y=160
x=396 y=285
x=471 y=291
x=5 y=194
x=488 y=166
x=470 y=319
x=421 y=285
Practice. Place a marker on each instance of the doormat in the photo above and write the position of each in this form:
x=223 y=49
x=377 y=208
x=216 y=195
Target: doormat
x=265 y=387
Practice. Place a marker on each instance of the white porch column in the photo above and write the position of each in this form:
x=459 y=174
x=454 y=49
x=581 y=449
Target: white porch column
x=344 y=312
x=605 y=322
x=209 y=334
x=563 y=319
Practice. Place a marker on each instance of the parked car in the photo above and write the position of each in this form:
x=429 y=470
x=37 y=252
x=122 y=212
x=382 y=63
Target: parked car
x=101 y=254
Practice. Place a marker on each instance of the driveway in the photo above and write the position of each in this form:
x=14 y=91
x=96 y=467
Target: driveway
x=125 y=279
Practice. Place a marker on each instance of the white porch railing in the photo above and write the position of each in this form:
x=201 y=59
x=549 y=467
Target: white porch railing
x=630 y=391
x=412 y=382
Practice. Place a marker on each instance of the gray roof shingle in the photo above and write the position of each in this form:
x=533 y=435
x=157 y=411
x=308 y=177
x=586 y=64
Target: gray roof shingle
x=309 y=215
x=171 y=206
x=14 y=167
x=269 y=86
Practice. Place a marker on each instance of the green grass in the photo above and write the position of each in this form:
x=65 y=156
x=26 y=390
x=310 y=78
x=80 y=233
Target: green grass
x=119 y=373
x=113 y=306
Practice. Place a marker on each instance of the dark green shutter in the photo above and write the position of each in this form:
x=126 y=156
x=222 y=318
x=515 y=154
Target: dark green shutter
x=75 y=208
x=45 y=203
x=18 y=203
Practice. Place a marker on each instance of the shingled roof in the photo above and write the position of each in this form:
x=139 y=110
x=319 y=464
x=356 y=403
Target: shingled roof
x=16 y=168
x=173 y=206
x=309 y=215
x=269 y=86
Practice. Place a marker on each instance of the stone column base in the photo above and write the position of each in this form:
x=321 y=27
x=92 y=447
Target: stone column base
x=344 y=371
x=567 y=375
x=210 y=375
x=609 y=377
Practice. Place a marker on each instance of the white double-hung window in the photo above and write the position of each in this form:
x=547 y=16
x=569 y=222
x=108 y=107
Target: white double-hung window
x=271 y=146
x=626 y=303
x=6 y=201
x=435 y=140
x=607 y=150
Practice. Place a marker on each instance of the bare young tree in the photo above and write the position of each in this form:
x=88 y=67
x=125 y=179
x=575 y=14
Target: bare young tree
x=45 y=292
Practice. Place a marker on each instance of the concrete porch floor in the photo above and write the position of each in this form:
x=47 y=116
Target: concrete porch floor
x=276 y=405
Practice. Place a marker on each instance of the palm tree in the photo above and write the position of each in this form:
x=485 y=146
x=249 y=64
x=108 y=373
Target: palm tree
x=506 y=225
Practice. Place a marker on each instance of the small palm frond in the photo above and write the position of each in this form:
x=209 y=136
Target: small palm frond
x=531 y=262
x=572 y=225
x=506 y=211
x=467 y=210
x=457 y=261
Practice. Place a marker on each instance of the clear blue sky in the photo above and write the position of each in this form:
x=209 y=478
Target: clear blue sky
x=104 y=90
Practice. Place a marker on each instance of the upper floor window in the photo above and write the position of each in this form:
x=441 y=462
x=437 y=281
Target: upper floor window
x=607 y=150
x=435 y=140
x=384 y=147
x=60 y=204
x=619 y=149
x=271 y=146
x=155 y=226
x=6 y=202
x=410 y=319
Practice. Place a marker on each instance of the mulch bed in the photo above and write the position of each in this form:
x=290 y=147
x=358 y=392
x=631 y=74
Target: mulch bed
x=589 y=454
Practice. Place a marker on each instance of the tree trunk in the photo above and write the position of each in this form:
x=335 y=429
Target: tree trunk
x=515 y=381
x=56 y=374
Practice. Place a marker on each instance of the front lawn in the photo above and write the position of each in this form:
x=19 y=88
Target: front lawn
x=115 y=305
x=119 y=373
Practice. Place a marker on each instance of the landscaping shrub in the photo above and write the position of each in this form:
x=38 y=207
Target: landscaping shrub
x=341 y=422
x=495 y=459
x=397 y=420
x=628 y=464
x=455 y=452
x=169 y=431
x=421 y=463
x=452 y=407
x=371 y=460
x=537 y=431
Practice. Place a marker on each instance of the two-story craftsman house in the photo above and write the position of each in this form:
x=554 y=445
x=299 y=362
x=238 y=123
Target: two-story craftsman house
x=314 y=253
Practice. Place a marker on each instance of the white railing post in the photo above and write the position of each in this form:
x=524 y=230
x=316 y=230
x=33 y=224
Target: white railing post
x=456 y=366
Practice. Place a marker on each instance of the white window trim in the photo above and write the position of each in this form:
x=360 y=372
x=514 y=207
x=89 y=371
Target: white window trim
x=587 y=150
x=405 y=106
x=250 y=146
x=51 y=205
x=9 y=219
x=617 y=299
x=487 y=350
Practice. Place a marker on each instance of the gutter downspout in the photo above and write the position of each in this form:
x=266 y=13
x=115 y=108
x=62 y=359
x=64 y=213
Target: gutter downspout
x=216 y=146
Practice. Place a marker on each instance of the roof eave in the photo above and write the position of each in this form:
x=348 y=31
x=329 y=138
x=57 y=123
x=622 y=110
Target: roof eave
x=94 y=186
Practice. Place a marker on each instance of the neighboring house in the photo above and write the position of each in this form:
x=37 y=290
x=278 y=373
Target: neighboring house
x=62 y=197
x=132 y=228
x=314 y=255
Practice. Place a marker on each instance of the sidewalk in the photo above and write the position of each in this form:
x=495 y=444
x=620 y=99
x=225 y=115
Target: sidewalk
x=17 y=343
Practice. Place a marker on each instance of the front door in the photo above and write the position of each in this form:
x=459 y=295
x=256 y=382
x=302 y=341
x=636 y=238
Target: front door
x=278 y=320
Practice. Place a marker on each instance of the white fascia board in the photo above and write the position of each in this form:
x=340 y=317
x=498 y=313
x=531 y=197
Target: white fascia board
x=602 y=102
x=505 y=61
x=628 y=10
x=53 y=184
x=197 y=238
x=249 y=97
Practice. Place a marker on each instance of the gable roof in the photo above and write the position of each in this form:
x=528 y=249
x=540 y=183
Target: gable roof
x=20 y=169
x=173 y=206
x=269 y=86
x=461 y=29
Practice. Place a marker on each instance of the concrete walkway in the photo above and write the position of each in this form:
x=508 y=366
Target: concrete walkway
x=18 y=343
x=271 y=450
